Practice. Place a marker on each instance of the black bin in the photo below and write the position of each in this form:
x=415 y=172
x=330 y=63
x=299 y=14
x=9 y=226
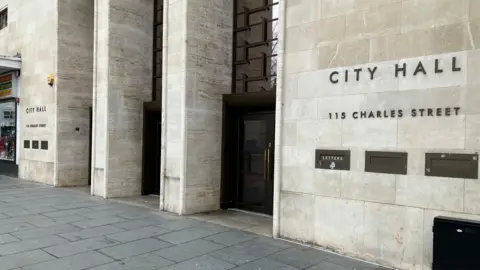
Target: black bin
x=456 y=244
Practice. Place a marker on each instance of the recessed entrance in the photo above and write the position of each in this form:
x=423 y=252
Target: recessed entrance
x=151 y=148
x=255 y=174
x=248 y=152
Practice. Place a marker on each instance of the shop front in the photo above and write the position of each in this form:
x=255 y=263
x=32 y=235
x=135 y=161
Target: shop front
x=9 y=73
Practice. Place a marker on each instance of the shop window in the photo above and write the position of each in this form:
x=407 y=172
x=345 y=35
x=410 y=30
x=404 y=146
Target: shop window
x=3 y=18
x=7 y=130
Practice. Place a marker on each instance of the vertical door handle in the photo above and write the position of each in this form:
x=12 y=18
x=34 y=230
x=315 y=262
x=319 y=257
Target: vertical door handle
x=268 y=164
x=265 y=174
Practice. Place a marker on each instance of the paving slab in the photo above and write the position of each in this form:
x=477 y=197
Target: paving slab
x=24 y=259
x=91 y=233
x=300 y=257
x=71 y=212
x=97 y=222
x=186 y=235
x=140 y=223
x=31 y=244
x=76 y=262
x=246 y=252
x=267 y=264
x=7 y=238
x=137 y=234
x=50 y=230
x=189 y=250
x=349 y=263
x=181 y=224
x=134 y=248
x=109 y=213
x=201 y=263
x=231 y=237
x=15 y=227
x=29 y=211
x=69 y=249
x=143 y=262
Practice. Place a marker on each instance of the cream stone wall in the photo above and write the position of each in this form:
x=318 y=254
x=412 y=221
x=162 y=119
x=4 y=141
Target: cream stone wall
x=32 y=31
x=122 y=83
x=75 y=78
x=378 y=217
x=53 y=38
x=209 y=66
x=173 y=101
x=197 y=68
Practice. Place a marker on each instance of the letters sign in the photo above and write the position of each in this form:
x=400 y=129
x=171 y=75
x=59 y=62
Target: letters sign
x=332 y=159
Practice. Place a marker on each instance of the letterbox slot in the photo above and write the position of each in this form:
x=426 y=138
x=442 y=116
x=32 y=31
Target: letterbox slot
x=386 y=162
x=451 y=165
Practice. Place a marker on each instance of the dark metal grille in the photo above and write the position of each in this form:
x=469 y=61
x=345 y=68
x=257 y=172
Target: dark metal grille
x=255 y=39
x=157 y=50
x=3 y=18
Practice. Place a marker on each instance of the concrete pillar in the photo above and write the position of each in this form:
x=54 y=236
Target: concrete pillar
x=122 y=82
x=197 y=71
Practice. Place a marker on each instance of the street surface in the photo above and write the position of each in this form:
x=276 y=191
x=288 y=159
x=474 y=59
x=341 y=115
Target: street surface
x=45 y=228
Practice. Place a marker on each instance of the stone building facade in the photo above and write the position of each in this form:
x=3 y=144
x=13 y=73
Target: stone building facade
x=291 y=108
x=53 y=39
x=423 y=57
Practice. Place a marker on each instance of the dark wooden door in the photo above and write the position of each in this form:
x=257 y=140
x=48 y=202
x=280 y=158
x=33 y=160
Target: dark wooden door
x=151 y=152
x=255 y=174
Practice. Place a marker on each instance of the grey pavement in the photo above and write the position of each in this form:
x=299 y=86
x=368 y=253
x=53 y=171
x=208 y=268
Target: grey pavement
x=56 y=229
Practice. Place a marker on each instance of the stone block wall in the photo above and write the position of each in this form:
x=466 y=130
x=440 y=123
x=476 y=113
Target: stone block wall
x=75 y=78
x=197 y=69
x=377 y=217
x=32 y=31
x=122 y=83
x=173 y=95
x=54 y=37
x=209 y=67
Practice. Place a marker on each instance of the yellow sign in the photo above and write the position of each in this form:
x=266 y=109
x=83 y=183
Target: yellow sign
x=6 y=86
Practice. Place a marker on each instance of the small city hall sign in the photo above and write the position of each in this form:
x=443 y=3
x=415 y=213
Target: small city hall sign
x=36 y=109
x=400 y=70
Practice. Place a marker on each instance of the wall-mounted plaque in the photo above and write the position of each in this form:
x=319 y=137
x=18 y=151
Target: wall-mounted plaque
x=44 y=145
x=332 y=159
x=451 y=165
x=26 y=144
x=34 y=144
x=386 y=162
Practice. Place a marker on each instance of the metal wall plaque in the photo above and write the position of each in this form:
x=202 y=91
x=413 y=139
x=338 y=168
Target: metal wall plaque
x=332 y=159
x=26 y=144
x=386 y=162
x=34 y=144
x=451 y=165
